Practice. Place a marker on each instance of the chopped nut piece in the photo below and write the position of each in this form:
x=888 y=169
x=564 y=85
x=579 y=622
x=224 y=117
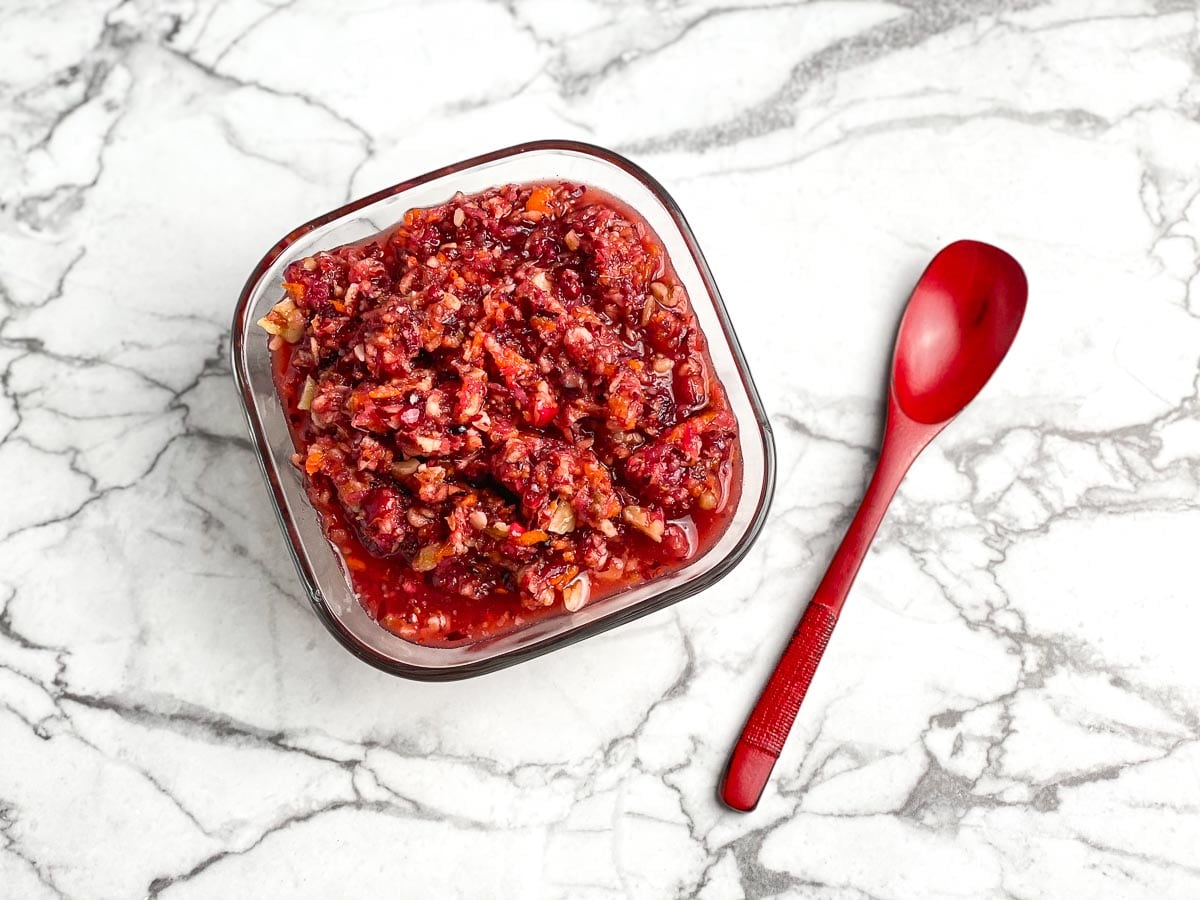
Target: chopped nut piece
x=643 y=521
x=428 y=444
x=306 y=396
x=648 y=311
x=579 y=337
x=405 y=467
x=478 y=519
x=427 y=558
x=577 y=592
x=459 y=217
x=399 y=625
x=708 y=500
x=571 y=239
x=663 y=364
x=659 y=290
x=562 y=520
x=418 y=517
x=284 y=320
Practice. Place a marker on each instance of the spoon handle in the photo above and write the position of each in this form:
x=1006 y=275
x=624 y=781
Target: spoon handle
x=767 y=729
x=772 y=718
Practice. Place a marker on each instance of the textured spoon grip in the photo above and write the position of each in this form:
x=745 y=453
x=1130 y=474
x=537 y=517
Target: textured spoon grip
x=767 y=729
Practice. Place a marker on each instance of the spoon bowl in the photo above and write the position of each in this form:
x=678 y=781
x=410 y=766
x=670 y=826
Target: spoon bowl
x=960 y=321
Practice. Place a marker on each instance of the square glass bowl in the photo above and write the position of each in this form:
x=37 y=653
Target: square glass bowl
x=316 y=559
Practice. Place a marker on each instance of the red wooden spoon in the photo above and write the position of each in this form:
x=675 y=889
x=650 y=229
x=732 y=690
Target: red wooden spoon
x=960 y=321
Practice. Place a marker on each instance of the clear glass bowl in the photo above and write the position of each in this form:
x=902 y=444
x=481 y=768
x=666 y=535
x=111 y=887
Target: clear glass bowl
x=317 y=562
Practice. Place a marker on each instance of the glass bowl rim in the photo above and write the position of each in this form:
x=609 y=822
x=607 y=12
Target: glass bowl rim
x=650 y=604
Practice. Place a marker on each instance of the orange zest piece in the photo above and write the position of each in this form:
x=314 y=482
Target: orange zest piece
x=532 y=537
x=294 y=288
x=539 y=200
x=383 y=392
x=312 y=465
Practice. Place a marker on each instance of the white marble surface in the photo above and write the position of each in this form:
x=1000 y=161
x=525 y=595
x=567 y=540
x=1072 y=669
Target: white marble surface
x=1011 y=707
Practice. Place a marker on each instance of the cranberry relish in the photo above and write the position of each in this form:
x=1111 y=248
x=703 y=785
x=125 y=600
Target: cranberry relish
x=503 y=405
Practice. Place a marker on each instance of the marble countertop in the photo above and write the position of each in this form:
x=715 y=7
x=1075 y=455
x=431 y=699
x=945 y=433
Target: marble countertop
x=1011 y=707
